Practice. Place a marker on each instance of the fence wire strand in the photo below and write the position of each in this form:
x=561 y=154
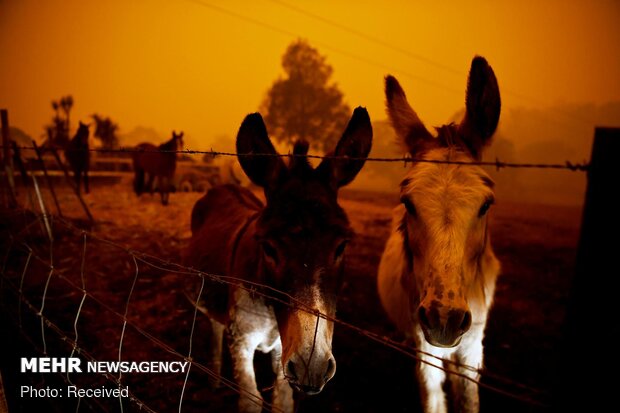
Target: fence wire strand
x=60 y=274
x=497 y=164
x=526 y=394
x=63 y=337
x=191 y=341
x=286 y=299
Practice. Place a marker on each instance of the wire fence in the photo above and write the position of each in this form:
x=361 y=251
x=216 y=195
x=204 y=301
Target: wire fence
x=47 y=225
x=20 y=243
x=407 y=159
x=47 y=325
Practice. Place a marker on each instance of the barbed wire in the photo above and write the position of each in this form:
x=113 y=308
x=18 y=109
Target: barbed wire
x=61 y=275
x=63 y=337
x=290 y=301
x=267 y=292
x=497 y=164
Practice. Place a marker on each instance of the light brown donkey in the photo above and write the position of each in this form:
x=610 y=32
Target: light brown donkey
x=294 y=244
x=438 y=271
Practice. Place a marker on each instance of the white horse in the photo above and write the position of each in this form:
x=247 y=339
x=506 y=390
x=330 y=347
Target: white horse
x=437 y=274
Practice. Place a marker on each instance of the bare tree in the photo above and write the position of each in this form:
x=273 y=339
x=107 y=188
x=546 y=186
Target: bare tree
x=66 y=103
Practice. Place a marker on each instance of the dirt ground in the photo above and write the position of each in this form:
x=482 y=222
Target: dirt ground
x=535 y=243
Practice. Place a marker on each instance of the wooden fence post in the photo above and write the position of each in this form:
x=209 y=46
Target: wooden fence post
x=6 y=145
x=593 y=313
x=72 y=184
x=47 y=177
x=7 y=160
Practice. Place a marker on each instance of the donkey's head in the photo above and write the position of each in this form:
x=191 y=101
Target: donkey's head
x=444 y=213
x=177 y=139
x=303 y=234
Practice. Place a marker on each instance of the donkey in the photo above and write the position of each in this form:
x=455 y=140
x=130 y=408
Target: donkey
x=77 y=155
x=158 y=162
x=437 y=274
x=294 y=245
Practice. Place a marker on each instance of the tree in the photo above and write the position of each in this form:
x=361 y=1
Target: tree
x=66 y=103
x=57 y=133
x=304 y=104
x=56 y=106
x=105 y=131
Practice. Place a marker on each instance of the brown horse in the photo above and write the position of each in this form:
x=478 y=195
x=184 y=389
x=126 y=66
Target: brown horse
x=295 y=244
x=77 y=155
x=437 y=274
x=156 y=162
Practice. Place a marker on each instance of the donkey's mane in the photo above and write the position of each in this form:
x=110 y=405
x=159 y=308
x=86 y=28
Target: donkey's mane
x=449 y=136
x=299 y=162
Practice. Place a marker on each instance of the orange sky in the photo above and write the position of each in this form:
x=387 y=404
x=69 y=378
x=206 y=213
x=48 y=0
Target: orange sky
x=183 y=65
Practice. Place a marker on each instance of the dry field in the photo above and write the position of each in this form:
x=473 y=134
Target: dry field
x=535 y=243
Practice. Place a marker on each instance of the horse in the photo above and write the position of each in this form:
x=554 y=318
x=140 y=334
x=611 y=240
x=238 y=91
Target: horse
x=437 y=274
x=291 y=247
x=158 y=162
x=77 y=155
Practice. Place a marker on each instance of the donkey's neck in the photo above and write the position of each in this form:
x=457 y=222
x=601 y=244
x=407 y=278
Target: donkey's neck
x=245 y=254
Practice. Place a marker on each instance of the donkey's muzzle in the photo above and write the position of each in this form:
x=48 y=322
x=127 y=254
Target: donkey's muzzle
x=444 y=330
x=310 y=378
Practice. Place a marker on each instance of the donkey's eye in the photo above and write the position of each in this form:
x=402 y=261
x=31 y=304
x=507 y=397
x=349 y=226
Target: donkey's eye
x=409 y=206
x=485 y=207
x=270 y=251
x=340 y=249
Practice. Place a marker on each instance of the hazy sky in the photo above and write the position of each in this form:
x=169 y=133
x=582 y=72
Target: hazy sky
x=202 y=65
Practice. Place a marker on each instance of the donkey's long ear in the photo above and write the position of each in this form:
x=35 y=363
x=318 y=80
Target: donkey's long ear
x=409 y=128
x=253 y=139
x=483 y=105
x=356 y=142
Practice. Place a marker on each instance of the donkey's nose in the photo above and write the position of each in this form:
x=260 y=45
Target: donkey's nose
x=310 y=379
x=291 y=371
x=444 y=331
x=429 y=318
x=459 y=321
x=331 y=369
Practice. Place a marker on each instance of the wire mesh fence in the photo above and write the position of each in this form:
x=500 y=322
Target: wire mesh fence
x=61 y=272
x=45 y=277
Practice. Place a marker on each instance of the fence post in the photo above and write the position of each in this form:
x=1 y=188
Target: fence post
x=47 y=177
x=72 y=184
x=7 y=160
x=6 y=144
x=593 y=310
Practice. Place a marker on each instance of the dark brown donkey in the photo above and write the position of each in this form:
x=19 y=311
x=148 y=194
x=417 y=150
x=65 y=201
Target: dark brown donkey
x=156 y=162
x=78 y=156
x=294 y=244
